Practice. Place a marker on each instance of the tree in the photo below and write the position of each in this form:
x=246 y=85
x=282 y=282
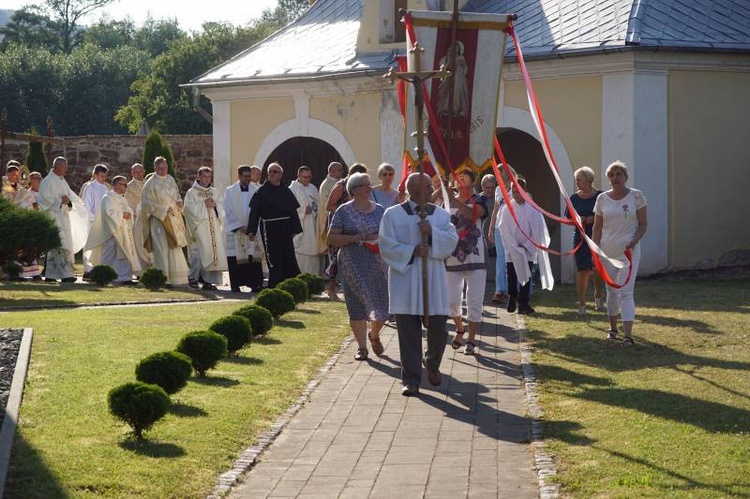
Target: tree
x=36 y=160
x=28 y=27
x=108 y=34
x=155 y=146
x=67 y=14
x=285 y=12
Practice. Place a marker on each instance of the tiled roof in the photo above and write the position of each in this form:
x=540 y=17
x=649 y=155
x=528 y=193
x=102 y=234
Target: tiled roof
x=322 y=43
x=554 y=27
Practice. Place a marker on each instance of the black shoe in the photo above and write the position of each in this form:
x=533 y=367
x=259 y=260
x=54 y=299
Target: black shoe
x=236 y=290
x=208 y=287
x=36 y=278
x=511 y=306
x=410 y=391
x=526 y=309
x=434 y=377
x=128 y=283
x=48 y=279
x=68 y=279
x=86 y=277
x=193 y=284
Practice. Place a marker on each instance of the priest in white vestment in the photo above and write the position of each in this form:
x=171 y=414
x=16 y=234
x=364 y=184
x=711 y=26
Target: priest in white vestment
x=335 y=169
x=133 y=197
x=13 y=190
x=203 y=220
x=244 y=256
x=111 y=238
x=92 y=196
x=163 y=225
x=402 y=249
x=306 y=243
x=70 y=214
x=520 y=252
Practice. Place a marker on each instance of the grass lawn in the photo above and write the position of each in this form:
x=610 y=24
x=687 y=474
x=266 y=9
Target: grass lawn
x=669 y=417
x=68 y=445
x=40 y=294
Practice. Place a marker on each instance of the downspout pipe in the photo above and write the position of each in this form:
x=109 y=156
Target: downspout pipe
x=197 y=106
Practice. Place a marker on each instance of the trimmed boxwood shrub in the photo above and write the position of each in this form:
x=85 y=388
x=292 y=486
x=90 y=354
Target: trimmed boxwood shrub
x=261 y=320
x=12 y=270
x=169 y=370
x=297 y=288
x=26 y=234
x=153 y=279
x=315 y=284
x=205 y=349
x=236 y=329
x=102 y=275
x=138 y=404
x=276 y=301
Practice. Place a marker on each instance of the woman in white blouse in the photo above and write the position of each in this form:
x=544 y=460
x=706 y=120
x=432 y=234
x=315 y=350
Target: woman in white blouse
x=619 y=223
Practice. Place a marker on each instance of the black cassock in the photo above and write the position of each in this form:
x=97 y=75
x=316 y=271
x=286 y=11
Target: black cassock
x=274 y=208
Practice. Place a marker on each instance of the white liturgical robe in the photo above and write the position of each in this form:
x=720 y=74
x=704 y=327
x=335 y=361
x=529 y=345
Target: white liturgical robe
x=204 y=228
x=111 y=237
x=306 y=242
x=399 y=236
x=236 y=214
x=518 y=249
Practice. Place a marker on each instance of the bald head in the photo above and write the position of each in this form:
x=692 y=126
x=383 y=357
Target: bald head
x=417 y=183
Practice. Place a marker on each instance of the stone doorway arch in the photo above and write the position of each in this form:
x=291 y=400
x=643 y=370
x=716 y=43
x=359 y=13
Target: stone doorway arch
x=308 y=151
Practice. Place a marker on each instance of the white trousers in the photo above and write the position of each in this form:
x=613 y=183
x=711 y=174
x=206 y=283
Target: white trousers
x=622 y=301
x=475 y=281
x=121 y=265
x=308 y=264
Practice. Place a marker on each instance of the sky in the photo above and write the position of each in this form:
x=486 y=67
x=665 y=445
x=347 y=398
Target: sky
x=189 y=13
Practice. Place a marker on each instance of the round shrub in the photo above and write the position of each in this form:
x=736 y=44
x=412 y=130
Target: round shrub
x=169 y=370
x=235 y=328
x=261 y=320
x=153 y=279
x=297 y=288
x=138 y=404
x=12 y=270
x=315 y=284
x=102 y=275
x=276 y=301
x=205 y=349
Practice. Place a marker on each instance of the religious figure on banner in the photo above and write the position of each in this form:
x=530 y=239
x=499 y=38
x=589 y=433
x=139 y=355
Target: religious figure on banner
x=461 y=88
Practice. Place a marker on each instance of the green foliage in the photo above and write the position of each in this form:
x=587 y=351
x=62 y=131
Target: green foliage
x=26 y=234
x=138 y=404
x=156 y=146
x=153 y=279
x=12 y=270
x=169 y=370
x=36 y=159
x=235 y=328
x=276 y=301
x=315 y=284
x=102 y=275
x=297 y=288
x=205 y=349
x=29 y=27
x=261 y=320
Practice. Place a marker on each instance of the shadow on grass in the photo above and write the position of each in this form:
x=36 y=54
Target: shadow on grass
x=186 y=411
x=308 y=311
x=153 y=449
x=242 y=360
x=710 y=416
x=567 y=431
x=266 y=340
x=220 y=381
x=28 y=474
x=290 y=324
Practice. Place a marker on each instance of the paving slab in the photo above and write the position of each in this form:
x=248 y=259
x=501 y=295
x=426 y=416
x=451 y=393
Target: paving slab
x=357 y=436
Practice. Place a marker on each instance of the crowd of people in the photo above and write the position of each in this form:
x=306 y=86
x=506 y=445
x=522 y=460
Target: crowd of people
x=416 y=254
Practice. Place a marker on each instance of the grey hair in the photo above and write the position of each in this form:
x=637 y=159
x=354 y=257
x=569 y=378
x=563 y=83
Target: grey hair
x=355 y=180
x=489 y=177
x=587 y=173
x=385 y=167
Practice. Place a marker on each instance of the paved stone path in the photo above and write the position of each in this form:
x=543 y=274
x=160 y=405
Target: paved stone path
x=359 y=437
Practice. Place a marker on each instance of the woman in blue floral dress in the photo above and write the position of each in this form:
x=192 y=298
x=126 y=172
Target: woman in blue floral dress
x=364 y=275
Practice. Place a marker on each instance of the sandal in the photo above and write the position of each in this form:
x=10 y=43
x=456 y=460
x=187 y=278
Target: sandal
x=627 y=341
x=469 y=348
x=612 y=335
x=361 y=354
x=456 y=343
x=377 y=345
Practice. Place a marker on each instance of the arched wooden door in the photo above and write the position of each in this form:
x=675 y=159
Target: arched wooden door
x=299 y=151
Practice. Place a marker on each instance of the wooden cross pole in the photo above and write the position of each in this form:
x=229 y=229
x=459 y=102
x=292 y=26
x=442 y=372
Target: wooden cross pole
x=416 y=78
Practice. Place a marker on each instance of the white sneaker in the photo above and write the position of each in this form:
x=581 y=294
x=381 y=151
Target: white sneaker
x=599 y=303
x=581 y=309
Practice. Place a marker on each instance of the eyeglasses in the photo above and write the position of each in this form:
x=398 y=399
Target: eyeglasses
x=274 y=172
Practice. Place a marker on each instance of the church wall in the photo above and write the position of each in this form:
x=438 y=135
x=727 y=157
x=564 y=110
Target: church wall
x=709 y=165
x=251 y=121
x=357 y=117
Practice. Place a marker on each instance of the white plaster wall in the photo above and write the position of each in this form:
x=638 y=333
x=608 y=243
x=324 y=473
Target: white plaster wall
x=391 y=132
x=222 y=145
x=635 y=130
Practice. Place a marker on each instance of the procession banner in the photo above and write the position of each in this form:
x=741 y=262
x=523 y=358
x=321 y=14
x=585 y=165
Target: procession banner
x=480 y=48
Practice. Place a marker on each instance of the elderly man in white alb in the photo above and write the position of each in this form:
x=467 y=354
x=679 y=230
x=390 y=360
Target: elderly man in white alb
x=243 y=255
x=163 y=226
x=111 y=238
x=203 y=219
x=69 y=213
x=306 y=243
x=402 y=249
x=133 y=197
x=92 y=195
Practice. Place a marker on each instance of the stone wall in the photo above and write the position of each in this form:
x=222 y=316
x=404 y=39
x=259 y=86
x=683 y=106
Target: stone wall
x=119 y=152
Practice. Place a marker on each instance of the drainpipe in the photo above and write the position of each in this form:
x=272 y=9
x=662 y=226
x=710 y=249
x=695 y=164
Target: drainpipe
x=197 y=105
